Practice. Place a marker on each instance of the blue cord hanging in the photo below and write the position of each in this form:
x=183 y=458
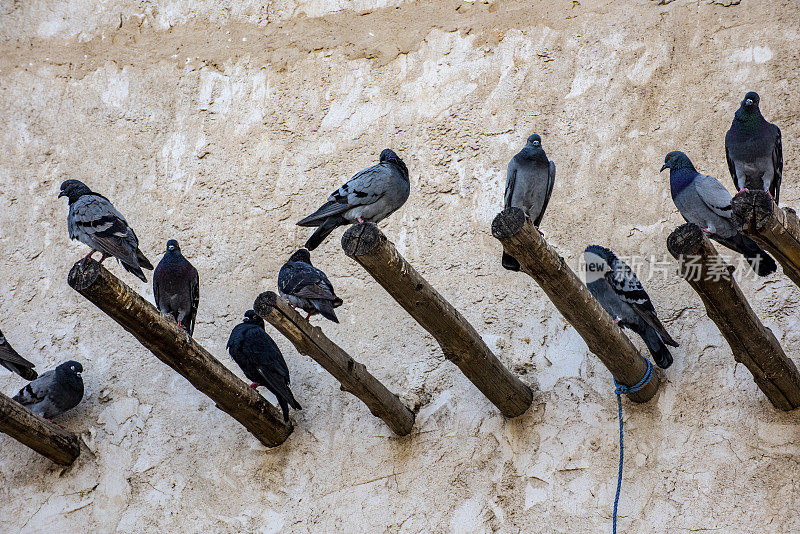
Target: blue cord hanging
x=621 y=389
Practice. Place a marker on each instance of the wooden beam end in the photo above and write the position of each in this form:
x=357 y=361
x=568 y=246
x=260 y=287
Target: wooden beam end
x=508 y=222
x=265 y=303
x=83 y=274
x=686 y=239
x=361 y=239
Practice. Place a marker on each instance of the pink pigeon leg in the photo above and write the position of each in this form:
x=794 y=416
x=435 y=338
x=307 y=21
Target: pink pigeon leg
x=254 y=385
x=103 y=257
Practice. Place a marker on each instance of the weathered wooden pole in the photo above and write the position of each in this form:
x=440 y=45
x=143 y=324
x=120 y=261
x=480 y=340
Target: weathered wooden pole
x=353 y=376
x=776 y=230
x=173 y=346
x=46 y=438
x=753 y=344
x=540 y=261
x=459 y=341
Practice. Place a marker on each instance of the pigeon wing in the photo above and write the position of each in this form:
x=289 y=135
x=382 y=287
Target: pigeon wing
x=731 y=168
x=777 y=166
x=366 y=187
x=630 y=290
x=713 y=194
x=95 y=218
x=37 y=390
x=306 y=281
x=511 y=181
x=551 y=180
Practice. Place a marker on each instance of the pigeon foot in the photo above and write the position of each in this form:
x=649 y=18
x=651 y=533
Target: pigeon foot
x=87 y=257
x=308 y=316
x=254 y=385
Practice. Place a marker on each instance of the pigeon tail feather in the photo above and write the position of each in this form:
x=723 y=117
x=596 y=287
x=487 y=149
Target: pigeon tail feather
x=761 y=262
x=657 y=348
x=510 y=263
x=325 y=308
x=329 y=225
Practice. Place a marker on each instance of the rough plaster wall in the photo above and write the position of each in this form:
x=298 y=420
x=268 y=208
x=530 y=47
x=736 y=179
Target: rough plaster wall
x=222 y=123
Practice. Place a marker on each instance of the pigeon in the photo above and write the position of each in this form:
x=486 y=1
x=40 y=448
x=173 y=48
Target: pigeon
x=704 y=201
x=14 y=362
x=176 y=287
x=620 y=293
x=529 y=183
x=753 y=149
x=54 y=392
x=94 y=221
x=371 y=195
x=261 y=360
x=306 y=287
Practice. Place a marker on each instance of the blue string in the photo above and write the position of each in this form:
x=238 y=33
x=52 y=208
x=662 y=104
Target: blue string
x=621 y=389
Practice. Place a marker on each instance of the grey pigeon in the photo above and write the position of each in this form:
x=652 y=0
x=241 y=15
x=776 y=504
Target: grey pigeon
x=95 y=222
x=261 y=360
x=14 y=362
x=529 y=183
x=371 y=195
x=54 y=392
x=176 y=287
x=703 y=200
x=306 y=287
x=753 y=149
x=617 y=289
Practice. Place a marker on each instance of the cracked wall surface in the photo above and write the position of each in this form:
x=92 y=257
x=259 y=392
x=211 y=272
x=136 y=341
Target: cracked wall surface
x=221 y=124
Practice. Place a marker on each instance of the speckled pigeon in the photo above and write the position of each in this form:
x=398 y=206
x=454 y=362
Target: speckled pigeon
x=261 y=360
x=753 y=149
x=94 y=221
x=176 y=287
x=703 y=200
x=371 y=195
x=14 y=362
x=55 y=391
x=529 y=183
x=617 y=289
x=306 y=287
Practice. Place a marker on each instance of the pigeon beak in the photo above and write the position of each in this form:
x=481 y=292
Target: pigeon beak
x=748 y=102
x=666 y=166
x=62 y=194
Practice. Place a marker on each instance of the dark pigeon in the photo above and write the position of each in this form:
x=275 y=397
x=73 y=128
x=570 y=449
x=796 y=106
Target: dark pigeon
x=753 y=149
x=261 y=360
x=617 y=289
x=306 y=287
x=529 y=184
x=703 y=200
x=371 y=195
x=95 y=222
x=55 y=391
x=176 y=287
x=14 y=362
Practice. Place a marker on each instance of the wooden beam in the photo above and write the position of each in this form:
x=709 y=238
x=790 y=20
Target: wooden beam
x=459 y=341
x=776 y=230
x=353 y=376
x=46 y=438
x=572 y=298
x=173 y=346
x=753 y=344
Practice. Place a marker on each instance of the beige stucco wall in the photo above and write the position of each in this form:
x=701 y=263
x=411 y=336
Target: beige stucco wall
x=222 y=123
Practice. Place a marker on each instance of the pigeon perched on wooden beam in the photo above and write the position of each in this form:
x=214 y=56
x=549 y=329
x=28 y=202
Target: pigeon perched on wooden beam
x=703 y=200
x=261 y=360
x=176 y=287
x=529 y=183
x=14 y=362
x=753 y=149
x=54 y=392
x=307 y=287
x=620 y=293
x=94 y=221
x=371 y=195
